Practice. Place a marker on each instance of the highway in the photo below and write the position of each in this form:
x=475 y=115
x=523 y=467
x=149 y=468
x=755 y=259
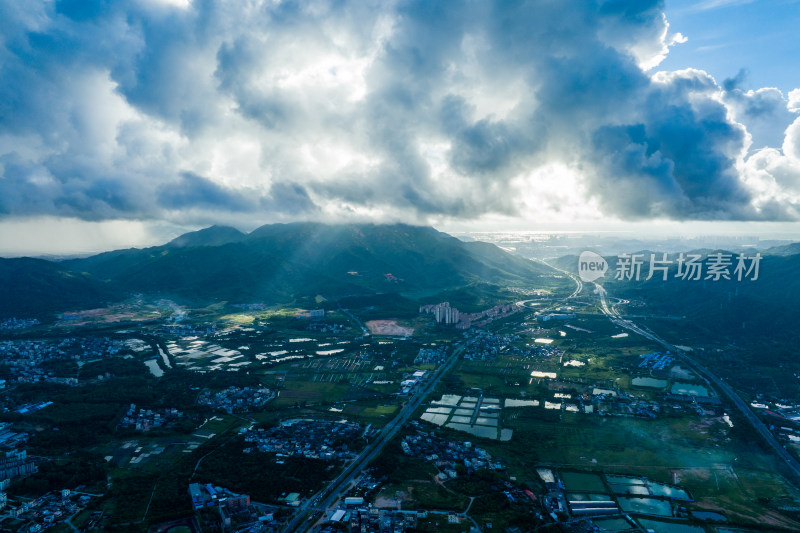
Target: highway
x=328 y=496
x=578 y=289
x=792 y=463
x=355 y=319
x=576 y=279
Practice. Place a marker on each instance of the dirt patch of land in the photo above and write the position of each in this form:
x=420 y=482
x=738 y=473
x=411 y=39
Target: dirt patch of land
x=388 y=327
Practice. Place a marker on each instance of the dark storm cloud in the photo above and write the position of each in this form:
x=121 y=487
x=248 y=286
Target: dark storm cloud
x=191 y=191
x=141 y=109
x=68 y=189
x=678 y=163
x=487 y=148
x=289 y=198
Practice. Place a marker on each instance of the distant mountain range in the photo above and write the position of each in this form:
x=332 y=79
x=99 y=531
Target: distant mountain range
x=32 y=287
x=786 y=249
x=273 y=264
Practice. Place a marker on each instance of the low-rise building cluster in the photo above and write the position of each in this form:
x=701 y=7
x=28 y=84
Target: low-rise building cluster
x=237 y=399
x=434 y=355
x=327 y=327
x=527 y=292
x=145 y=419
x=375 y=520
x=486 y=346
x=313 y=439
x=24 y=358
x=18 y=323
x=542 y=351
x=547 y=317
x=656 y=360
x=481 y=318
x=221 y=509
x=208 y=495
x=46 y=511
x=446 y=454
x=615 y=402
x=627 y=406
x=411 y=382
x=183 y=330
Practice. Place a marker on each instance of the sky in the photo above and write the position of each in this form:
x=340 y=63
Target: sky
x=127 y=122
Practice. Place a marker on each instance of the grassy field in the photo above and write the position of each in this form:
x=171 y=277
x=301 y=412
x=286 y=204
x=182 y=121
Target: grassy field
x=298 y=392
x=219 y=424
x=424 y=494
x=385 y=411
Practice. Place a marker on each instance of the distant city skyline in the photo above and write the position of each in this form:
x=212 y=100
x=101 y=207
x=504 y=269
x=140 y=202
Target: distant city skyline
x=129 y=123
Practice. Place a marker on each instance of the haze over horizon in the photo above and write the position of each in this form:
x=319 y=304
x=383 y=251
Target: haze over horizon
x=128 y=123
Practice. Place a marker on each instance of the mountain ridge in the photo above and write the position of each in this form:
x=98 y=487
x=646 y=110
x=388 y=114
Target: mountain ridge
x=211 y=236
x=278 y=263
